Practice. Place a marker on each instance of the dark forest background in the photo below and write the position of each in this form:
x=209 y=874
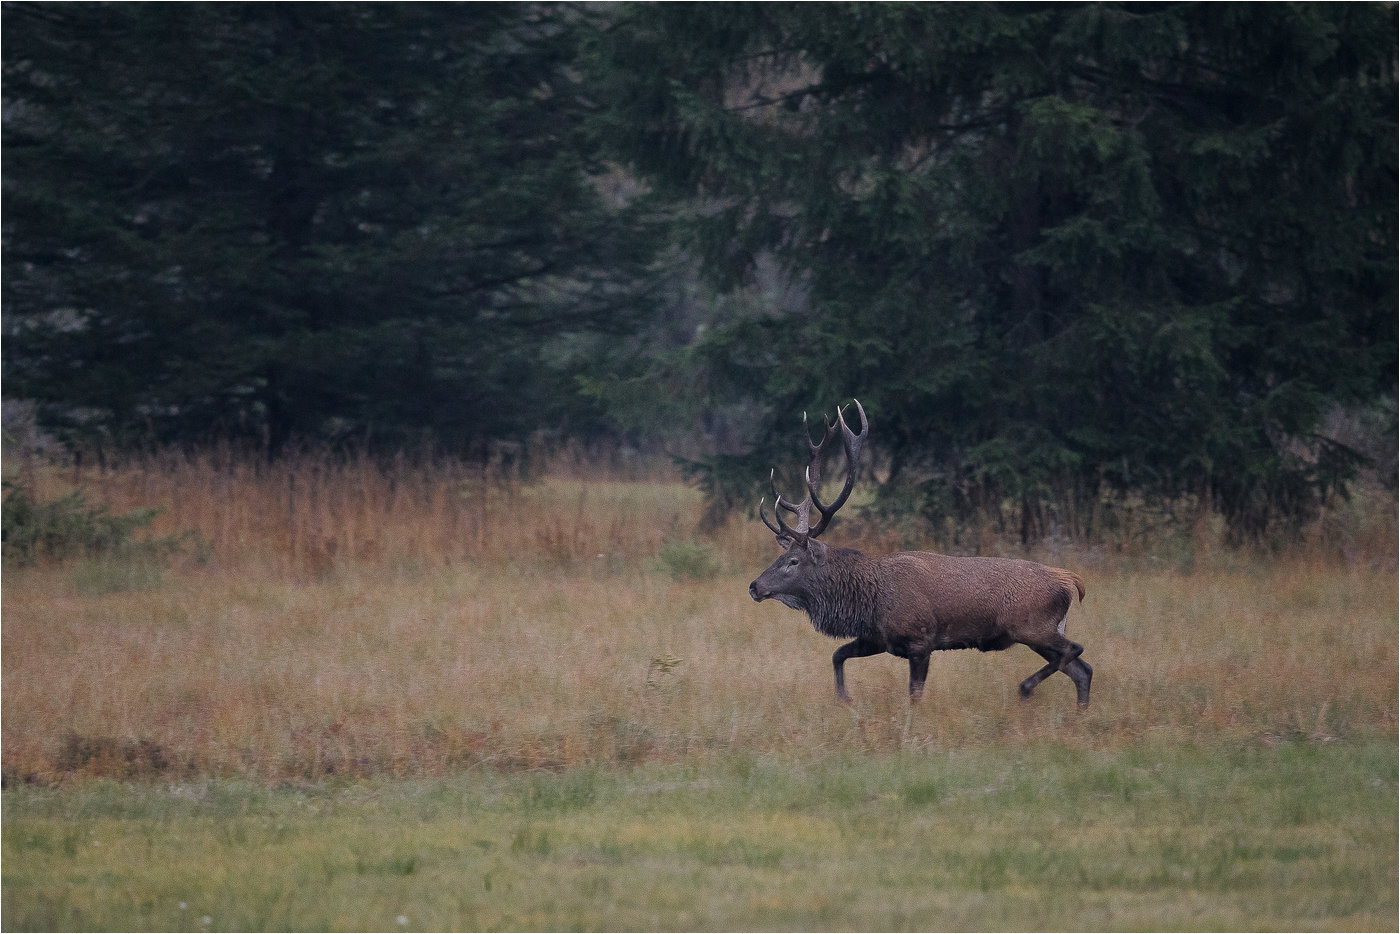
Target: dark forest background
x=1063 y=253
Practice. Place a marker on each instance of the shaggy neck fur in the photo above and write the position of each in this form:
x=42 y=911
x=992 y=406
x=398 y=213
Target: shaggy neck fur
x=842 y=601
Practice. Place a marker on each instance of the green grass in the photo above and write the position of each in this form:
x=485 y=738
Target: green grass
x=1297 y=836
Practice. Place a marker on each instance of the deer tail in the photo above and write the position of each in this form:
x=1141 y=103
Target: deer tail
x=1070 y=579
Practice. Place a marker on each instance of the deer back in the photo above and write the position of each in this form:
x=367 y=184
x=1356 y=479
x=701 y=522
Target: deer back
x=970 y=599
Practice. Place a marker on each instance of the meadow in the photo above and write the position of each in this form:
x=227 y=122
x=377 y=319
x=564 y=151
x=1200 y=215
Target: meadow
x=412 y=695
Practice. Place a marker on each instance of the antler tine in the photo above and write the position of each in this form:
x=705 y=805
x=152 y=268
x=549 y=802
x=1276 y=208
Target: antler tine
x=816 y=450
x=852 y=444
x=764 y=516
x=779 y=504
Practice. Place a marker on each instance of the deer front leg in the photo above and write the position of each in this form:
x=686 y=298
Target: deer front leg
x=860 y=648
x=918 y=673
x=1028 y=686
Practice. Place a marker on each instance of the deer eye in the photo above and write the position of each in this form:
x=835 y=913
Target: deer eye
x=792 y=563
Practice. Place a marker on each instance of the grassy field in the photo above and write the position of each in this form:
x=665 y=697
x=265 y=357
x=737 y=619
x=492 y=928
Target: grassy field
x=1147 y=836
x=405 y=698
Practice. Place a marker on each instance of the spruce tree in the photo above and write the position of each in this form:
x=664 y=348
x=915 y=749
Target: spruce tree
x=1059 y=251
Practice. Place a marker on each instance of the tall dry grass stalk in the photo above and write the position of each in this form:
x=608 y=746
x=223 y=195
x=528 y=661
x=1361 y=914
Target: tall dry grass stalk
x=381 y=619
x=311 y=513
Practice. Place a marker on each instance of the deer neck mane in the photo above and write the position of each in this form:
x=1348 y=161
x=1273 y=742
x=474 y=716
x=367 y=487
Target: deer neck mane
x=842 y=603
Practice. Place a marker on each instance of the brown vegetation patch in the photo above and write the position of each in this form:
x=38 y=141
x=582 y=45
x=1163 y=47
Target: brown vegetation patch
x=558 y=637
x=103 y=757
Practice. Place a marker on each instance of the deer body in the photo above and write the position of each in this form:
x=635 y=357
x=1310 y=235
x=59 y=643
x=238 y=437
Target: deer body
x=913 y=603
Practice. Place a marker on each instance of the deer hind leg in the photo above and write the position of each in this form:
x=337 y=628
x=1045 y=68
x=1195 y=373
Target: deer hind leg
x=856 y=649
x=1081 y=673
x=1075 y=668
x=1062 y=655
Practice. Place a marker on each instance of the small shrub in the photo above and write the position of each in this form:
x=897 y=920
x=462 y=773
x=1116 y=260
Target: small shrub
x=68 y=527
x=689 y=560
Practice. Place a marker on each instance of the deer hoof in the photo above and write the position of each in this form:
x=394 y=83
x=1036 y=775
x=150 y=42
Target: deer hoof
x=1027 y=690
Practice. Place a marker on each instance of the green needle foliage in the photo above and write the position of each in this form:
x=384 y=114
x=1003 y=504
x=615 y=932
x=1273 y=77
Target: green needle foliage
x=69 y=527
x=1070 y=257
x=293 y=220
x=1062 y=253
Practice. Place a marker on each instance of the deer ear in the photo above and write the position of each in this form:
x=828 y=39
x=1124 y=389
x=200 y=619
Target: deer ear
x=817 y=550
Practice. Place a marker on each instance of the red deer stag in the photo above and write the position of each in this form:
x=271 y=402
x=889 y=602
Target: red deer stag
x=912 y=603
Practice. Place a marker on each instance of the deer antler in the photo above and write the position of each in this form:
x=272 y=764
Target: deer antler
x=852 y=443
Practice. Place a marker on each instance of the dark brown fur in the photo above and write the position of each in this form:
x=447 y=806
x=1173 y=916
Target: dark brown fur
x=913 y=603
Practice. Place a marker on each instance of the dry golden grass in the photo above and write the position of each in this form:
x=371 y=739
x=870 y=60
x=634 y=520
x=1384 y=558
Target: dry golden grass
x=417 y=621
x=308 y=514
